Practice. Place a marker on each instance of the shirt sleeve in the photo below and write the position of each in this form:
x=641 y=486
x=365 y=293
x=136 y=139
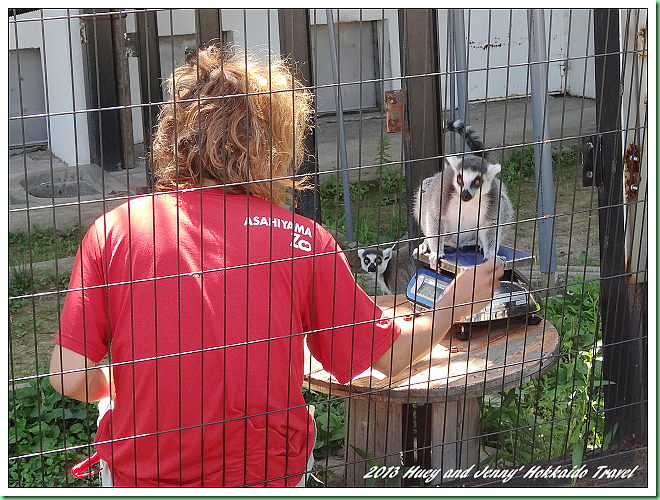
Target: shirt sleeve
x=84 y=319
x=349 y=333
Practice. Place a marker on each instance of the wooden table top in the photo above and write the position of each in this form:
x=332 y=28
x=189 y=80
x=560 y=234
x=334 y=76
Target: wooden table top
x=498 y=356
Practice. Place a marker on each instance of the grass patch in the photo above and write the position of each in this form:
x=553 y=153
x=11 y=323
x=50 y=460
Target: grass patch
x=38 y=245
x=24 y=282
x=378 y=207
x=520 y=166
x=519 y=174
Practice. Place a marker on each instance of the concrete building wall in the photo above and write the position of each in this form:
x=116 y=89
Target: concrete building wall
x=579 y=42
x=65 y=89
x=497 y=54
x=388 y=31
x=58 y=40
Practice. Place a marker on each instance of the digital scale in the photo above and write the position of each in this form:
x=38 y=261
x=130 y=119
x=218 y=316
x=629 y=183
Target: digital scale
x=511 y=299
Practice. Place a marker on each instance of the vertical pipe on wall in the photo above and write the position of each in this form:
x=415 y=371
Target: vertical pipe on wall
x=452 y=78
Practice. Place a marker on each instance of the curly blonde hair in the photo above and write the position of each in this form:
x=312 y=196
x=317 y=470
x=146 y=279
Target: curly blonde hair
x=233 y=120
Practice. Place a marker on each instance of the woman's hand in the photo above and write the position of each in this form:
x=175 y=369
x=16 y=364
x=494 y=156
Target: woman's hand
x=472 y=289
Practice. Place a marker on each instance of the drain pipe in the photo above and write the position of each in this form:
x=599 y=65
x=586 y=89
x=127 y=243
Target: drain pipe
x=343 y=157
x=538 y=69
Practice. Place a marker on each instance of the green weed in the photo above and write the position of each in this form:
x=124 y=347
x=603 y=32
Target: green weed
x=383 y=155
x=378 y=208
x=43 y=427
x=21 y=326
x=562 y=412
x=21 y=283
x=329 y=416
x=372 y=461
x=520 y=165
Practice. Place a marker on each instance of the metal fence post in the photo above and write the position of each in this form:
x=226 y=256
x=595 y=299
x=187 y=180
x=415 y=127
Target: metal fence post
x=459 y=52
x=208 y=25
x=295 y=44
x=101 y=90
x=122 y=74
x=422 y=133
x=422 y=142
x=343 y=155
x=625 y=356
x=151 y=91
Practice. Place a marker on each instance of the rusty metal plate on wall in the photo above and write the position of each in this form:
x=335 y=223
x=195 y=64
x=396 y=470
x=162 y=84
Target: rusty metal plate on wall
x=394 y=110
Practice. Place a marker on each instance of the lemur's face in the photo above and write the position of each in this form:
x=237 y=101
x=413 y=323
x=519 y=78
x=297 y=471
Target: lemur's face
x=374 y=260
x=470 y=179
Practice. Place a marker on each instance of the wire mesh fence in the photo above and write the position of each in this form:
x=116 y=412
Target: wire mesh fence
x=245 y=247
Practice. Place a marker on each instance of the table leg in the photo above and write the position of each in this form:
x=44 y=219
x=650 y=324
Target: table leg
x=454 y=441
x=376 y=428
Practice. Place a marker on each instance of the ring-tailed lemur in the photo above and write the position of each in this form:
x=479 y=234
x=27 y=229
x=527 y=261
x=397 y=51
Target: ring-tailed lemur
x=465 y=204
x=391 y=267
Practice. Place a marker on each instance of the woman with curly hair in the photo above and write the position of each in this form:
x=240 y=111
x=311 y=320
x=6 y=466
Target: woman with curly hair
x=205 y=292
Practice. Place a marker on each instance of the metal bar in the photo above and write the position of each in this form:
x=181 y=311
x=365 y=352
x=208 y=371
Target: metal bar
x=422 y=137
x=127 y=142
x=343 y=156
x=538 y=68
x=208 y=24
x=105 y=145
x=295 y=44
x=624 y=330
x=452 y=78
x=151 y=92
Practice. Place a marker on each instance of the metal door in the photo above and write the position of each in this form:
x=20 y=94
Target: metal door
x=357 y=63
x=29 y=95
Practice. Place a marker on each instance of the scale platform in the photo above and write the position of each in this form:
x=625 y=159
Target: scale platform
x=471 y=256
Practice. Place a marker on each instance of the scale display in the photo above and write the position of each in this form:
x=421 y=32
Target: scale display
x=426 y=287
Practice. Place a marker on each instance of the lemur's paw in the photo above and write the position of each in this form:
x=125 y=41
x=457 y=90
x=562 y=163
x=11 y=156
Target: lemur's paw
x=501 y=260
x=433 y=260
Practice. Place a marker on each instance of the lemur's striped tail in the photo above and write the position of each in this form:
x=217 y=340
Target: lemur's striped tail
x=469 y=134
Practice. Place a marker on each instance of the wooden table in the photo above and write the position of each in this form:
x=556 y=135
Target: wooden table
x=445 y=392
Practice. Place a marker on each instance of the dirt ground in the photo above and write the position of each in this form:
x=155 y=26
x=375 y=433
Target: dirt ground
x=32 y=332
x=576 y=223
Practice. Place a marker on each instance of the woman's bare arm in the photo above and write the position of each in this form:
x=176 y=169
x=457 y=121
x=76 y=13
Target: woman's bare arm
x=467 y=294
x=74 y=375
